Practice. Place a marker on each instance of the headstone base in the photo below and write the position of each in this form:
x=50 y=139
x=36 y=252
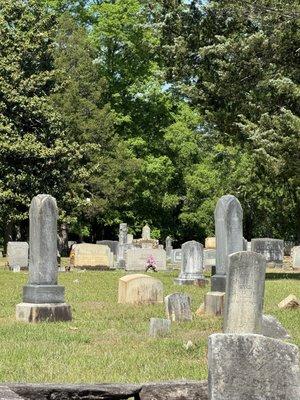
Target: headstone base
x=214 y=303
x=29 y=312
x=188 y=279
x=39 y=294
x=218 y=283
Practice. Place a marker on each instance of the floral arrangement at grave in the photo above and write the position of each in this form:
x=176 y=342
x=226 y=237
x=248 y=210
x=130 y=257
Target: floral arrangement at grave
x=151 y=264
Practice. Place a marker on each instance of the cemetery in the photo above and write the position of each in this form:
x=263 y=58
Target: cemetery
x=149 y=200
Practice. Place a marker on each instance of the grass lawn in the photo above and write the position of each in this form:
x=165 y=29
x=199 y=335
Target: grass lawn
x=108 y=342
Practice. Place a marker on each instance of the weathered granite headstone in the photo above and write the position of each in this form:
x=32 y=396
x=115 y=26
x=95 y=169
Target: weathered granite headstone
x=272 y=328
x=146 y=232
x=296 y=257
x=159 y=327
x=210 y=242
x=140 y=289
x=122 y=245
x=17 y=255
x=91 y=256
x=229 y=237
x=192 y=263
x=136 y=259
x=43 y=298
x=178 y=307
x=271 y=249
x=169 y=247
x=176 y=256
x=252 y=367
x=244 y=293
x=112 y=244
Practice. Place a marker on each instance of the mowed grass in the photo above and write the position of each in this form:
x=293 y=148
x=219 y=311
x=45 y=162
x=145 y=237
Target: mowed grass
x=109 y=342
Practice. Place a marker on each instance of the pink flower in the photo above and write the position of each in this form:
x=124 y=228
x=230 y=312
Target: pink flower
x=151 y=261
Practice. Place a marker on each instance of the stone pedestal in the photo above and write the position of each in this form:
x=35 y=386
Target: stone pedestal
x=46 y=312
x=218 y=283
x=43 y=298
x=214 y=303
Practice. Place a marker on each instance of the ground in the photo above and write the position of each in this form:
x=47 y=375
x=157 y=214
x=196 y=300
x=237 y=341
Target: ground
x=108 y=342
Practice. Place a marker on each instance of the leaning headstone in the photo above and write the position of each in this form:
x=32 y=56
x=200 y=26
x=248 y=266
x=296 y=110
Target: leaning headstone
x=229 y=237
x=244 y=293
x=146 y=232
x=43 y=298
x=17 y=255
x=271 y=249
x=169 y=247
x=296 y=257
x=192 y=263
x=122 y=245
x=252 y=367
x=159 y=327
x=272 y=328
x=91 y=256
x=136 y=259
x=289 y=302
x=178 y=307
x=140 y=289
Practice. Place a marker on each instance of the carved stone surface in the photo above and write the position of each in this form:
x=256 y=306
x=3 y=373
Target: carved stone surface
x=178 y=307
x=140 y=289
x=214 y=303
x=229 y=237
x=159 y=327
x=271 y=249
x=244 y=293
x=192 y=263
x=252 y=367
x=17 y=255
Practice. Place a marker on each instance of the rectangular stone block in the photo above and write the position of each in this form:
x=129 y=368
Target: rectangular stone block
x=252 y=367
x=91 y=256
x=140 y=289
x=136 y=259
x=214 y=303
x=17 y=255
x=28 y=312
x=43 y=294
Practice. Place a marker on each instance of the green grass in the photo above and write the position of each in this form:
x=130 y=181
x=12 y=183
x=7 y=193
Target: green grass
x=108 y=342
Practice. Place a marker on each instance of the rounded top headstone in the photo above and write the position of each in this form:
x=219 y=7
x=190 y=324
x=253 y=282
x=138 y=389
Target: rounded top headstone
x=226 y=204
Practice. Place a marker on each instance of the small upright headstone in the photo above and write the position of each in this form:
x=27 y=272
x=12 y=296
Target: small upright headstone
x=271 y=249
x=210 y=242
x=169 y=247
x=43 y=298
x=17 y=255
x=252 y=367
x=140 y=289
x=229 y=237
x=129 y=238
x=178 y=307
x=176 y=256
x=244 y=293
x=159 y=327
x=146 y=232
x=192 y=263
x=91 y=256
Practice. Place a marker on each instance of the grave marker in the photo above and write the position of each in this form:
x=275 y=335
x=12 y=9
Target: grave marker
x=178 y=307
x=140 y=289
x=17 y=255
x=192 y=263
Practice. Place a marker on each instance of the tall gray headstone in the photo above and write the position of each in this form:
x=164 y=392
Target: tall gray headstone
x=244 y=293
x=122 y=245
x=192 y=263
x=252 y=367
x=271 y=249
x=169 y=247
x=178 y=307
x=229 y=237
x=43 y=298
